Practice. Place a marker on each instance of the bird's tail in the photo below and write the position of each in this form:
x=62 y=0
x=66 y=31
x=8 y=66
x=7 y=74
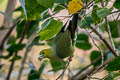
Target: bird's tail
x=73 y=26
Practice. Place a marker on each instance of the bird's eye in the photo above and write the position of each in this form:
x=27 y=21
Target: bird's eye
x=41 y=55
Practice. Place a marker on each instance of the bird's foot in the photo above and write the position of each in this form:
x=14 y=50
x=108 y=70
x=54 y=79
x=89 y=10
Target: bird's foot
x=70 y=59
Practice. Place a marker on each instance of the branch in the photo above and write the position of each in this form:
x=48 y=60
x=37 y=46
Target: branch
x=15 y=54
x=108 y=30
x=9 y=32
x=7 y=22
x=28 y=48
x=102 y=54
x=109 y=33
x=9 y=10
x=90 y=70
x=88 y=66
x=118 y=16
x=64 y=70
x=104 y=41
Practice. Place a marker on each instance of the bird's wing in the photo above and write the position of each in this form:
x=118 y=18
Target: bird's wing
x=62 y=44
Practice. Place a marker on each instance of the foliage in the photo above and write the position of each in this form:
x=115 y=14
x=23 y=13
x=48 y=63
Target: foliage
x=37 y=17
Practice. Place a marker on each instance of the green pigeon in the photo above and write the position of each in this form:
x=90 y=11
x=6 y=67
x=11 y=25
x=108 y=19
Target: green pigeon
x=63 y=44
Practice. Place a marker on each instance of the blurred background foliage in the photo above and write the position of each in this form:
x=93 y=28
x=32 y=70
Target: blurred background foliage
x=40 y=21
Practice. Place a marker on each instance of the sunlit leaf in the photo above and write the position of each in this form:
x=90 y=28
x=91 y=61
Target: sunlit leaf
x=50 y=29
x=74 y=6
x=34 y=9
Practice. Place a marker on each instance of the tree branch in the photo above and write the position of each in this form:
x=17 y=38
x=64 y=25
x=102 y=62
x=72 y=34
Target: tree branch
x=104 y=41
x=15 y=54
x=28 y=48
x=90 y=70
x=9 y=32
x=109 y=33
x=7 y=22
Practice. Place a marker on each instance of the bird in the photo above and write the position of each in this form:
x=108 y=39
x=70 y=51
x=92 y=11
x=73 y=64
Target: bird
x=63 y=44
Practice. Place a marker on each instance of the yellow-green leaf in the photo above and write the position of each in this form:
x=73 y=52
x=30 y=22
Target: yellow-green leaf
x=74 y=6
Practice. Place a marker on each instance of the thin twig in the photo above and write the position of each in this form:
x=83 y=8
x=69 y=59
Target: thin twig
x=28 y=48
x=94 y=78
x=9 y=32
x=15 y=54
x=63 y=70
x=108 y=30
x=91 y=71
x=102 y=54
x=105 y=41
x=114 y=12
x=118 y=16
x=109 y=33
x=86 y=69
x=100 y=67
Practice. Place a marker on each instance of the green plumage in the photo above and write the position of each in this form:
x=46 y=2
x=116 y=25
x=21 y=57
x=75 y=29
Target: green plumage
x=63 y=44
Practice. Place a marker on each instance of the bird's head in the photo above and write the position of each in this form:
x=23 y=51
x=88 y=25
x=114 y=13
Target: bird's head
x=45 y=53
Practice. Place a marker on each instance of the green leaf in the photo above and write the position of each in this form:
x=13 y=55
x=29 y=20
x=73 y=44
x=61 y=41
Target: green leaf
x=109 y=77
x=114 y=65
x=114 y=28
x=16 y=58
x=50 y=29
x=95 y=17
x=96 y=1
x=45 y=24
x=11 y=40
x=44 y=13
x=85 y=23
x=58 y=7
x=13 y=48
x=46 y=3
x=18 y=9
x=36 y=75
x=57 y=65
x=94 y=55
x=116 y=74
x=36 y=41
x=82 y=42
x=103 y=12
x=117 y=4
x=32 y=28
x=34 y=9
x=113 y=76
x=19 y=28
x=62 y=1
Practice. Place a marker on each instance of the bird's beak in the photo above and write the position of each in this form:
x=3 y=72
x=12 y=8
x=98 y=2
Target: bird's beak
x=40 y=59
